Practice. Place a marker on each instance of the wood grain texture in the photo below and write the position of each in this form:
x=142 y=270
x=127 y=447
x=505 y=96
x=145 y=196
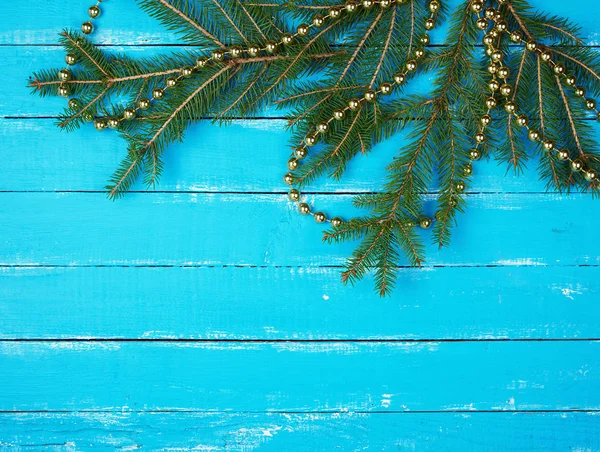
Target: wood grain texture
x=483 y=432
x=200 y=229
x=480 y=303
x=305 y=377
x=212 y=159
x=209 y=316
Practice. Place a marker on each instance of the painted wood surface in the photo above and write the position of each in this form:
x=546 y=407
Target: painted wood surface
x=208 y=315
x=308 y=303
x=305 y=377
x=485 y=432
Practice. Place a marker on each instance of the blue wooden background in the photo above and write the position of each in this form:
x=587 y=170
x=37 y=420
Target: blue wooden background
x=208 y=315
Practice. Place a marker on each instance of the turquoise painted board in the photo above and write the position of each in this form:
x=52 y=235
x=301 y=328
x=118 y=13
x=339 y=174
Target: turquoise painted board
x=208 y=315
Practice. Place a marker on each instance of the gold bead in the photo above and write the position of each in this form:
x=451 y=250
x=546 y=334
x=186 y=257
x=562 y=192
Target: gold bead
x=339 y=114
x=549 y=145
x=322 y=127
x=506 y=90
x=516 y=36
x=411 y=65
x=571 y=80
x=336 y=222
x=496 y=56
x=354 y=104
x=303 y=29
x=563 y=154
x=287 y=39
x=304 y=208
x=292 y=164
x=187 y=71
x=494 y=85
x=503 y=72
x=385 y=88
x=171 y=82
x=486 y=120
x=546 y=56
x=94 y=11
x=367 y=4
x=100 y=124
x=434 y=6
x=113 y=123
x=577 y=165
x=580 y=91
x=158 y=93
x=385 y=3
x=310 y=140
x=474 y=154
x=399 y=78
x=479 y=137
x=74 y=104
x=522 y=120
x=501 y=25
x=425 y=39
x=510 y=107
x=429 y=24
x=477 y=6
x=531 y=46
x=301 y=152
x=271 y=46
x=294 y=194
x=63 y=90
x=236 y=51
x=71 y=59
x=351 y=6
x=318 y=20
x=533 y=135
x=460 y=186
x=590 y=175
x=590 y=104
x=491 y=102
x=144 y=104
x=467 y=169
x=492 y=69
x=425 y=223
x=64 y=75
x=488 y=40
x=370 y=95
x=253 y=50
x=129 y=113
x=218 y=55
x=489 y=13
x=288 y=178
x=87 y=28
x=419 y=53
x=559 y=68
x=482 y=23
x=320 y=217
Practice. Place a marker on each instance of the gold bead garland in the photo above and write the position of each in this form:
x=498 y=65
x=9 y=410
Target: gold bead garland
x=516 y=36
x=270 y=47
x=354 y=104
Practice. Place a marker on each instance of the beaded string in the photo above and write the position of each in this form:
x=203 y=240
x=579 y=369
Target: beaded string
x=353 y=105
x=221 y=55
x=252 y=50
x=496 y=56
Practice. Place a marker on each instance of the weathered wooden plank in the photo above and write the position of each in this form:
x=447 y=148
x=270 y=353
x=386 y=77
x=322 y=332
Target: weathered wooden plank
x=297 y=304
x=125 y=23
x=301 y=432
x=333 y=376
x=237 y=229
x=39 y=157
